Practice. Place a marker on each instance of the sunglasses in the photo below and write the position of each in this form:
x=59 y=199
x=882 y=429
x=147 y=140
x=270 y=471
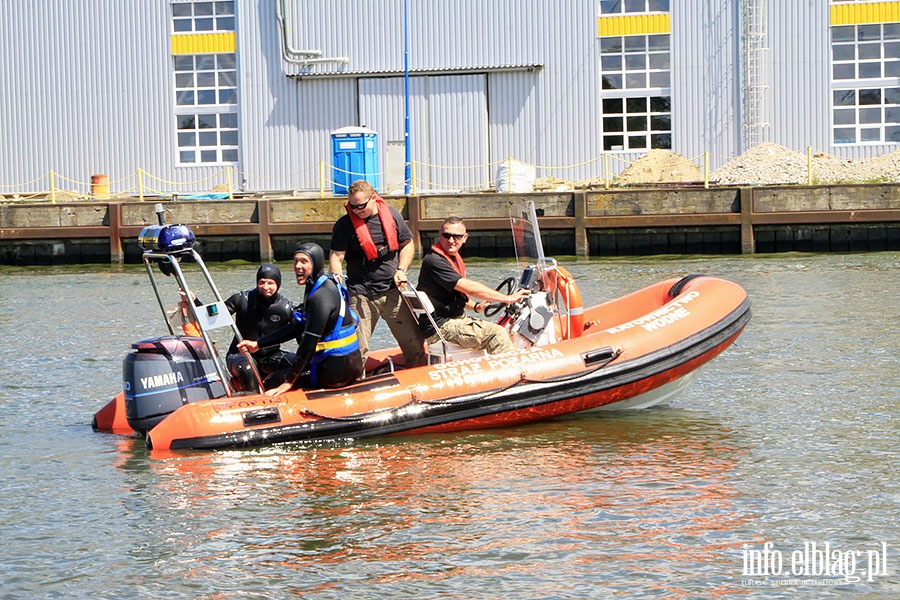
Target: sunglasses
x=452 y=236
x=359 y=206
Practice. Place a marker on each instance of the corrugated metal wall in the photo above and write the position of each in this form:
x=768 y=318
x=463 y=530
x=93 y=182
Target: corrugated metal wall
x=86 y=89
x=705 y=71
x=285 y=124
x=801 y=76
x=545 y=117
x=92 y=88
x=382 y=108
x=457 y=132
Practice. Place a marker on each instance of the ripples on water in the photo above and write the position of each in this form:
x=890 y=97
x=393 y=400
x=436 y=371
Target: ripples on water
x=787 y=437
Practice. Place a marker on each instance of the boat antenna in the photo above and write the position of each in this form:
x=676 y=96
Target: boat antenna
x=160 y=213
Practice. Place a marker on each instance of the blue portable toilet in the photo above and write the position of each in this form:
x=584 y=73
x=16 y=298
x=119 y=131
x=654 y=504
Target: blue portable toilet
x=354 y=156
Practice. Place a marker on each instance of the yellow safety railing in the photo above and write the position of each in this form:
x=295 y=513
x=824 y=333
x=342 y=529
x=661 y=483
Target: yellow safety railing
x=612 y=170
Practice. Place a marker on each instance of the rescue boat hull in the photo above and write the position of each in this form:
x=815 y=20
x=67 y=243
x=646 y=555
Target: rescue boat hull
x=633 y=352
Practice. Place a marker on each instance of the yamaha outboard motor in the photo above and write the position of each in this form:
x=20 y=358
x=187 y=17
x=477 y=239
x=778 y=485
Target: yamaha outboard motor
x=163 y=374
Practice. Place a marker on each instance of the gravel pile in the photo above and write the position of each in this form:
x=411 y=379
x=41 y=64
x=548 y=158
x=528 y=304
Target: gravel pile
x=764 y=164
x=774 y=164
x=660 y=166
x=656 y=166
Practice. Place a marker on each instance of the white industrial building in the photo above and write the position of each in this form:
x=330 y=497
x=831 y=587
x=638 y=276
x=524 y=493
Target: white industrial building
x=176 y=95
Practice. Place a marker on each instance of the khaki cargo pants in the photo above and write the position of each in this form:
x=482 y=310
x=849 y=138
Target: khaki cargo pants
x=390 y=307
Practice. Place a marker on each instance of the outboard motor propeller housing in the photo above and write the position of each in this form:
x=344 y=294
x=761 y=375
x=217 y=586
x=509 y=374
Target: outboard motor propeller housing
x=163 y=374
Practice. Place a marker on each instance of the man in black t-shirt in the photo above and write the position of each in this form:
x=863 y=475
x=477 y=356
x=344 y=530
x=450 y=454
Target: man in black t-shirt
x=443 y=278
x=377 y=245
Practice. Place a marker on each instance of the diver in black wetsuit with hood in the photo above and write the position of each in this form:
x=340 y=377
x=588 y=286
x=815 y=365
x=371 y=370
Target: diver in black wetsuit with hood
x=325 y=329
x=258 y=312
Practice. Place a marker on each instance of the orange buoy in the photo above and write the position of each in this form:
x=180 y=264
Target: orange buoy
x=560 y=284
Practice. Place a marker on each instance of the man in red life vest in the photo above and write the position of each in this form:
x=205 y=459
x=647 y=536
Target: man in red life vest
x=443 y=278
x=377 y=245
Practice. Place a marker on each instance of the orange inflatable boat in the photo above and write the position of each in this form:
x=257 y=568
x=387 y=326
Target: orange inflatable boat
x=629 y=353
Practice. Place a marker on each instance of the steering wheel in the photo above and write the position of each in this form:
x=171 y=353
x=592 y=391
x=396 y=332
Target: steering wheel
x=506 y=286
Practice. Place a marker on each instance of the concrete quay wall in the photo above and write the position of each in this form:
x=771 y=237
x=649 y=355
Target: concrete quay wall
x=661 y=220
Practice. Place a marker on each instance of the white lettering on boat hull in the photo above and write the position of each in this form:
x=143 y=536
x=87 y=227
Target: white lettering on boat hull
x=669 y=313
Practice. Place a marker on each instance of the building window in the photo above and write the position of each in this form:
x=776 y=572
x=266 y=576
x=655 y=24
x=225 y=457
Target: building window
x=206 y=86
x=635 y=74
x=206 y=108
x=200 y=17
x=865 y=80
x=618 y=7
x=637 y=123
x=635 y=62
x=207 y=138
x=206 y=80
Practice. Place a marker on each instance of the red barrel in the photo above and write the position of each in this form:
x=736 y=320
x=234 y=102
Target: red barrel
x=100 y=186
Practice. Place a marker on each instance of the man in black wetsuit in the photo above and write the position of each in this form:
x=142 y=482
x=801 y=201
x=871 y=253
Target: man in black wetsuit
x=258 y=312
x=325 y=329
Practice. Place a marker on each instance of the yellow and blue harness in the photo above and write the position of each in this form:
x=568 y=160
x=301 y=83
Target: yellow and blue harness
x=342 y=340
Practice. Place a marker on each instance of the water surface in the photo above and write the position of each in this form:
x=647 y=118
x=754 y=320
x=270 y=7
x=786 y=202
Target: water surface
x=789 y=437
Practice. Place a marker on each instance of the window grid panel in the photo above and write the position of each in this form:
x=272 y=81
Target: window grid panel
x=206 y=97
x=202 y=80
x=863 y=55
x=866 y=116
x=626 y=63
x=622 y=7
x=637 y=123
x=207 y=138
x=636 y=69
x=203 y=17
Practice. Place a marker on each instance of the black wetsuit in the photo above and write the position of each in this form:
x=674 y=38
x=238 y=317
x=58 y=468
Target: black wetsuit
x=255 y=316
x=320 y=311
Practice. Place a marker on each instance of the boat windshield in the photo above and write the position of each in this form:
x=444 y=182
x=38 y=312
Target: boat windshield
x=526 y=234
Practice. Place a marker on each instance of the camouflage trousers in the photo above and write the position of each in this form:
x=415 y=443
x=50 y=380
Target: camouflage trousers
x=479 y=334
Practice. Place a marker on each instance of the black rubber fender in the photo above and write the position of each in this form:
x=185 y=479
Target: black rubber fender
x=676 y=289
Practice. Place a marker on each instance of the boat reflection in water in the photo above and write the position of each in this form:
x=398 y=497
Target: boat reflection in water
x=609 y=491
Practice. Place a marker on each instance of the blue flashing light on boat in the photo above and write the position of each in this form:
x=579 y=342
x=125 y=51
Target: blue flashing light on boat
x=166 y=238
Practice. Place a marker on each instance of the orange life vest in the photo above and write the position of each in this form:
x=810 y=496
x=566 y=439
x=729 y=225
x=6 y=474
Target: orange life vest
x=362 y=230
x=455 y=261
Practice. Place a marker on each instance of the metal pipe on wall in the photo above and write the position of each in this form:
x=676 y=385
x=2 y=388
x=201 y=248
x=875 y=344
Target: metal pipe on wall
x=294 y=56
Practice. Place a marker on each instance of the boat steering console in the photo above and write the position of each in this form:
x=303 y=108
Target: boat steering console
x=529 y=321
